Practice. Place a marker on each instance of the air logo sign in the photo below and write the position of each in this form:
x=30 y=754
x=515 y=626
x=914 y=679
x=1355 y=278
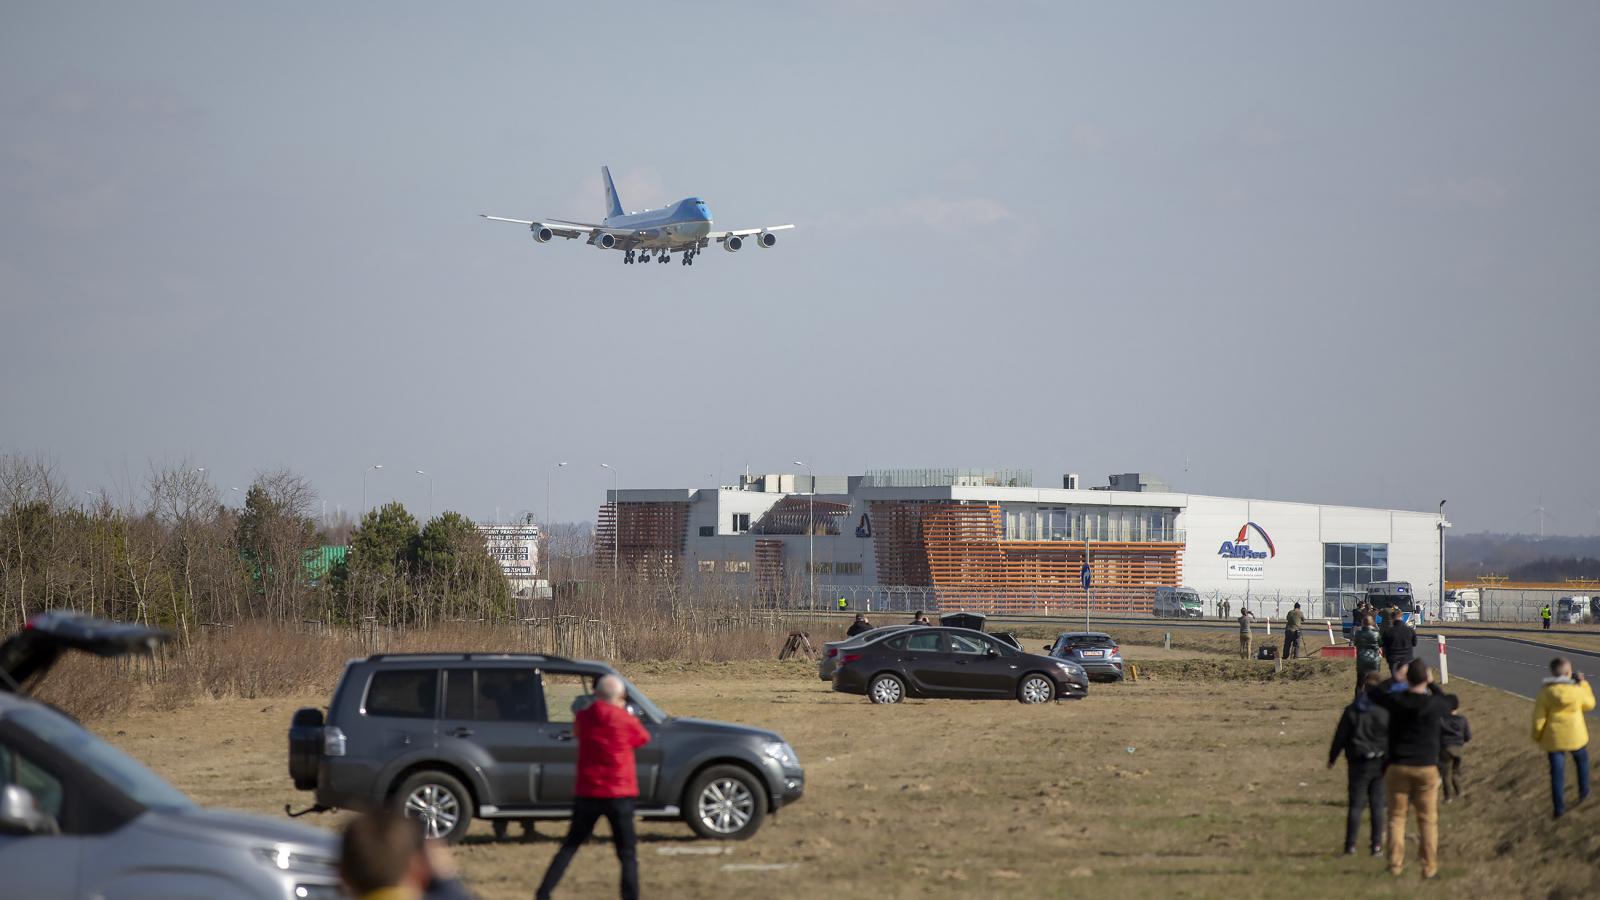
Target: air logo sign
x=1244 y=560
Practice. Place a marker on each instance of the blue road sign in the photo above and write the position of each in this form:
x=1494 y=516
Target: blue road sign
x=1083 y=576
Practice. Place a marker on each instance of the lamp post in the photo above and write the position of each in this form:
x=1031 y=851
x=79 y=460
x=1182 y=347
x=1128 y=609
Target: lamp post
x=430 y=492
x=549 y=545
x=616 y=523
x=1442 y=527
x=364 y=486
x=811 y=535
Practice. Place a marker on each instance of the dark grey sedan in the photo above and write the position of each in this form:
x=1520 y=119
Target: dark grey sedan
x=1096 y=651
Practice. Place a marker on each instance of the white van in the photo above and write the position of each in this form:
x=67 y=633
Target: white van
x=1469 y=599
x=1178 y=603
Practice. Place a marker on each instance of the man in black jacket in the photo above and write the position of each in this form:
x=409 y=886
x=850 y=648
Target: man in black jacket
x=859 y=625
x=1363 y=738
x=1412 y=778
x=1399 y=640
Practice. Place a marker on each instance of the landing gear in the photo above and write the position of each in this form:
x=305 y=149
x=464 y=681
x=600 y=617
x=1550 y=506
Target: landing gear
x=664 y=257
x=627 y=258
x=644 y=256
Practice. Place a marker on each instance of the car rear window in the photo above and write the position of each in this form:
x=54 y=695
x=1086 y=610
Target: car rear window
x=1091 y=642
x=403 y=693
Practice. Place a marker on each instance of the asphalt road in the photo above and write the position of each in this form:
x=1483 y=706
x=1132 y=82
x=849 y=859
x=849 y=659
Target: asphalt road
x=1514 y=666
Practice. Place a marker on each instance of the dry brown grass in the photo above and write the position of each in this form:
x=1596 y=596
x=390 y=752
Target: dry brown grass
x=258 y=661
x=1203 y=783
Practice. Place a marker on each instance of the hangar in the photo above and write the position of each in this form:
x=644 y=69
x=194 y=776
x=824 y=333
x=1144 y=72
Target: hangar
x=988 y=540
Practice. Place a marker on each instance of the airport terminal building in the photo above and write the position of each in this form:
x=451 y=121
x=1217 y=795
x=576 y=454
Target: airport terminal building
x=988 y=540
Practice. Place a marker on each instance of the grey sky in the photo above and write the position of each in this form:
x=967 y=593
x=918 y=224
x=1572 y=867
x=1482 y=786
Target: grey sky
x=1342 y=253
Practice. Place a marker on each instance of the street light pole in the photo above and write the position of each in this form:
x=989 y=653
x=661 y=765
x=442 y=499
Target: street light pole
x=430 y=492
x=549 y=545
x=616 y=525
x=364 y=486
x=811 y=535
x=1441 y=560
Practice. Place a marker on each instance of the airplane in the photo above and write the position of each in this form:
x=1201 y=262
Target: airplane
x=684 y=227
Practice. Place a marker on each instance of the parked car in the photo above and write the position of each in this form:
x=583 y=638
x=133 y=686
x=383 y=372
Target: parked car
x=447 y=738
x=1571 y=610
x=1177 y=603
x=79 y=818
x=1096 y=651
x=957 y=663
x=829 y=657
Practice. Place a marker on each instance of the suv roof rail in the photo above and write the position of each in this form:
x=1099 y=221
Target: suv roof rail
x=465 y=657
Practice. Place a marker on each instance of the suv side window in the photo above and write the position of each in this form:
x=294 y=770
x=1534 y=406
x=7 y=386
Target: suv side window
x=507 y=695
x=403 y=693
x=562 y=693
x=19 y=770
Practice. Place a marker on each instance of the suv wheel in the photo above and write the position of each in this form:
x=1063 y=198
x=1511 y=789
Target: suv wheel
x=726 y=803
x=439 y=802
x=886 y=689
x=1036 y=689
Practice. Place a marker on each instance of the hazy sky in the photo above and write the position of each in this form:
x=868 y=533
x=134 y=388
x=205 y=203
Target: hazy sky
x=1346 y=253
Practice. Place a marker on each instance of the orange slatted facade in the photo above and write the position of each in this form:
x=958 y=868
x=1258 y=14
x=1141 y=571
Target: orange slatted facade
x=958 y=550
x=648 y=537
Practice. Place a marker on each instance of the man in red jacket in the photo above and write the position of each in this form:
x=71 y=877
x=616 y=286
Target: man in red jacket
x=607 y=784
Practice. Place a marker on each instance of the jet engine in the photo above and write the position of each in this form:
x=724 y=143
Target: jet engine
x=605 y=241
x=543 y=235
x=766 y=239
x=733 y=243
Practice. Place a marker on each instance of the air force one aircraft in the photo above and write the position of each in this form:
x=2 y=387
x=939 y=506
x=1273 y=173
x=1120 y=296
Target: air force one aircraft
x=684 y=227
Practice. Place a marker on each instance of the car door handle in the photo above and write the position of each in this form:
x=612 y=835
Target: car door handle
x=564 y=736
x=461 y=732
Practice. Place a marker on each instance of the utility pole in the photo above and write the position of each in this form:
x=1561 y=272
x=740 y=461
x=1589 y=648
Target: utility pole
x=549 y=555
x=811 y=535
x=1442 y=527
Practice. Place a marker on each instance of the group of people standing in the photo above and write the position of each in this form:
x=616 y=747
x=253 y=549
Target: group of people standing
x=1403 y=740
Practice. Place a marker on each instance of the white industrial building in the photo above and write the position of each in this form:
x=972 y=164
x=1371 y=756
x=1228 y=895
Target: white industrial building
x=987 y=539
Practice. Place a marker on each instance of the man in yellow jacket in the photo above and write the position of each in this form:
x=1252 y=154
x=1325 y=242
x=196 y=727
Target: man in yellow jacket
x=1559 y=729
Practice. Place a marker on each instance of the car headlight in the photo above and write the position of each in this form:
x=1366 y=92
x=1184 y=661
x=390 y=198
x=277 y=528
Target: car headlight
x=282 y=856
x=1070 y=668
x=783 y=753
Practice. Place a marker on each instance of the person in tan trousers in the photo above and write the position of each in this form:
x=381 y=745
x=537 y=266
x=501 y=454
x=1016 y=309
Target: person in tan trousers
x=1412 y=778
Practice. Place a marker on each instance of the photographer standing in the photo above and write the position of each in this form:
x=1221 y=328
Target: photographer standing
x=1559 y=729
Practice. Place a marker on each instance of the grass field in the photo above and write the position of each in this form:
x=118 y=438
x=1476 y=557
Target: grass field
x=1206 y=778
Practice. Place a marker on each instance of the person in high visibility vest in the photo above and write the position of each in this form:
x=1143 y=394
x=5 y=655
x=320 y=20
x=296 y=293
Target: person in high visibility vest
x=1545 y=615
x=843 y=604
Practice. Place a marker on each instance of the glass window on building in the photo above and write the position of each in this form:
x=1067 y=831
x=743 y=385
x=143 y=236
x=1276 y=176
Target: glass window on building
x=1347 y=569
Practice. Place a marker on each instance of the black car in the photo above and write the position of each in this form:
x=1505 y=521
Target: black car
x=957 y=663
x=449 y=737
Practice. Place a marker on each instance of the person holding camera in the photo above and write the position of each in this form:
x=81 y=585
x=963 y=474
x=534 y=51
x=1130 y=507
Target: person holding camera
x=1559 y=729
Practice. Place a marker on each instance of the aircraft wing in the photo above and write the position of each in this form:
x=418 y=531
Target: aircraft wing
x=557 y=226
x=720 y=236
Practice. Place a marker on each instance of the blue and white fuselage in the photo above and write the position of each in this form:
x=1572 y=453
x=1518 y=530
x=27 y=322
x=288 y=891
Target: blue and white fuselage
x=684 y=228
x=684 y=223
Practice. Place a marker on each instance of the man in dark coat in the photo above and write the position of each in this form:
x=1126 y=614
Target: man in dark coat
x=1399 y=640
x=1363 y=738
x=859 y=625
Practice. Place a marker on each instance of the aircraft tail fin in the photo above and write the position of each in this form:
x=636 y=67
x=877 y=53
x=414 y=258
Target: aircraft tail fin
x=613 y=204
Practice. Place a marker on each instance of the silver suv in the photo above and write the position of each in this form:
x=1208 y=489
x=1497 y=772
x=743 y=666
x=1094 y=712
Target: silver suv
x=79 y=818
x=447 y=738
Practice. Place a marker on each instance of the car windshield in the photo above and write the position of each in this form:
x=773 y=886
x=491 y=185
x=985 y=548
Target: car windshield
x=140 y=784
